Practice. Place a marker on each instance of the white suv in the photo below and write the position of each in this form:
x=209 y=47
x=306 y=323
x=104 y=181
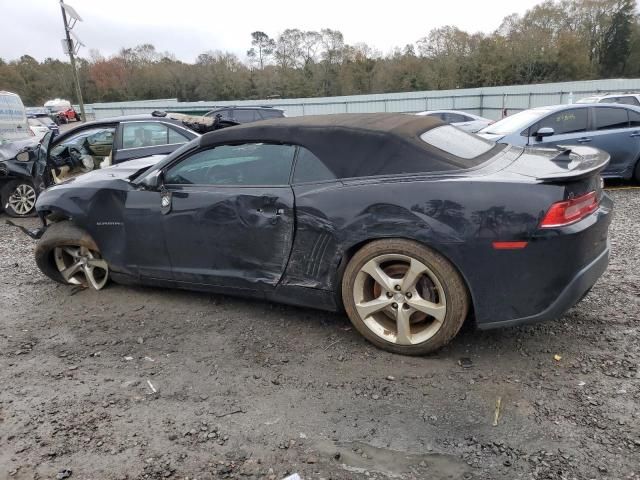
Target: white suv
x=13 y=118
x=626 y=98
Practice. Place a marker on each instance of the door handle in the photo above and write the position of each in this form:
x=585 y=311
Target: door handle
x=635 y=134
x=584 y=140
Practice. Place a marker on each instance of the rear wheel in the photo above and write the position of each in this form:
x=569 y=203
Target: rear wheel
x=67 y=254
x=19 y=198
x=404 y=297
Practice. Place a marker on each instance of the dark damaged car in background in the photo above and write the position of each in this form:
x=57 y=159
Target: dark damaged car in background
x=91 y=146
x=16 y=141
x=409 y=225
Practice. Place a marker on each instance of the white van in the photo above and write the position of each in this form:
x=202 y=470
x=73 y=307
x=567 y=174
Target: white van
x=13 y=118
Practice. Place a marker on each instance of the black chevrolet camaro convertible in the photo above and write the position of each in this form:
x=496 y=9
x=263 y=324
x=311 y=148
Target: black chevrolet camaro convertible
x=409 y=225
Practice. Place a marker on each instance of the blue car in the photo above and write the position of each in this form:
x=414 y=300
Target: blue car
x=614 y=128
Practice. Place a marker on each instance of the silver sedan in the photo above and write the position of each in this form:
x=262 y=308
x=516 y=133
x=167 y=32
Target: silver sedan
x=466 y=121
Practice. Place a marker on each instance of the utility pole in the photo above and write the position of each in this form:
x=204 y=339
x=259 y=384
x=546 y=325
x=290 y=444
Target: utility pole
x=70 y=51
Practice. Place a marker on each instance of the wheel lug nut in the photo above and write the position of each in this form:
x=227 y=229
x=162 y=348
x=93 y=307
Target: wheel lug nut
x=394 y=305
x=406 y=306
x=408 y=295
x=397 y=287
x=389 y=294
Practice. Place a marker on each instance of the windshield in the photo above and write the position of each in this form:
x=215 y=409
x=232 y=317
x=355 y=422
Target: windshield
x=35 y=122
x=45 y=120
x=515 y=123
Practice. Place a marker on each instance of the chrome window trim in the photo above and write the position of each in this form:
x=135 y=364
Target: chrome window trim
x=169 y=124
x=152 y=146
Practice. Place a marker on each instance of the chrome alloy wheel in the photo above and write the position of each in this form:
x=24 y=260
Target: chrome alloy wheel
x=23 y=199
x=81 y=266
x=399 y=299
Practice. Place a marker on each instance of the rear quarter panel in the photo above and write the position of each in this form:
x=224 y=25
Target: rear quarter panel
x=459 y=218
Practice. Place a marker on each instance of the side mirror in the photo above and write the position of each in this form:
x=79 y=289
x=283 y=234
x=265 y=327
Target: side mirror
x=154 y=181
x=544 y=132
x=23 y=156
x=26 y=154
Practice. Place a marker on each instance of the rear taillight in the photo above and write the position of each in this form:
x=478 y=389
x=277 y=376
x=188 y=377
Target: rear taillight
x=570 y=211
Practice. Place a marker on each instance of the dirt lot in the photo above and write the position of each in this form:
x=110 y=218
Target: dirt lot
x=134 y=383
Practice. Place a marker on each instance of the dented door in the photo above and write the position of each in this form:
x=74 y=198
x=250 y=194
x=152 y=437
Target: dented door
x=230 y=237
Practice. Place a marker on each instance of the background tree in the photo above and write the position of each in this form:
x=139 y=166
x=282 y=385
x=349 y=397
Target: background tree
x=262 y=48
x=556 y=40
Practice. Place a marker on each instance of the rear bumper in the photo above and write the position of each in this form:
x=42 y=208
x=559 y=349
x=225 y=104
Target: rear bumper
x=572 y=294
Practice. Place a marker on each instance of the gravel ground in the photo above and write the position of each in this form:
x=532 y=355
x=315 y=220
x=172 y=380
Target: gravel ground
x=134 y=383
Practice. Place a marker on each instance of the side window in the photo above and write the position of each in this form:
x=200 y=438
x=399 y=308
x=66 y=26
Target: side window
x=566 y=121
x=270 y=113
x=145 y=134
x=224 y=114
x=245 y=116
x=246 y=164
x=456 y=118
x=634 y=119
x=96 y=142
x=310 y=168
x=611 y=118
x=176 y=137
x=630 y=100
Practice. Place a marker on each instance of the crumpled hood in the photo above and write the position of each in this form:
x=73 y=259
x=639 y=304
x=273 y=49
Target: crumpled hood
x=9 y=150
x=122 y=171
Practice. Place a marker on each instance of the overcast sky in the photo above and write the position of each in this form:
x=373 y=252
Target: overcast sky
x=189 y=27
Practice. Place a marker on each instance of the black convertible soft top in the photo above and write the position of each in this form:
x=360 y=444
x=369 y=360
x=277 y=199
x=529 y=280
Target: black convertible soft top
x=352 y=145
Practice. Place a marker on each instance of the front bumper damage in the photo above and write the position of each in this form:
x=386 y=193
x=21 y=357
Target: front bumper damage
x=35 y=233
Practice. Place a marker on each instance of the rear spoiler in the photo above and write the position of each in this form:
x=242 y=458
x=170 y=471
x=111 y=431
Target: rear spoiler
x=561 y=164
x=578 y=162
